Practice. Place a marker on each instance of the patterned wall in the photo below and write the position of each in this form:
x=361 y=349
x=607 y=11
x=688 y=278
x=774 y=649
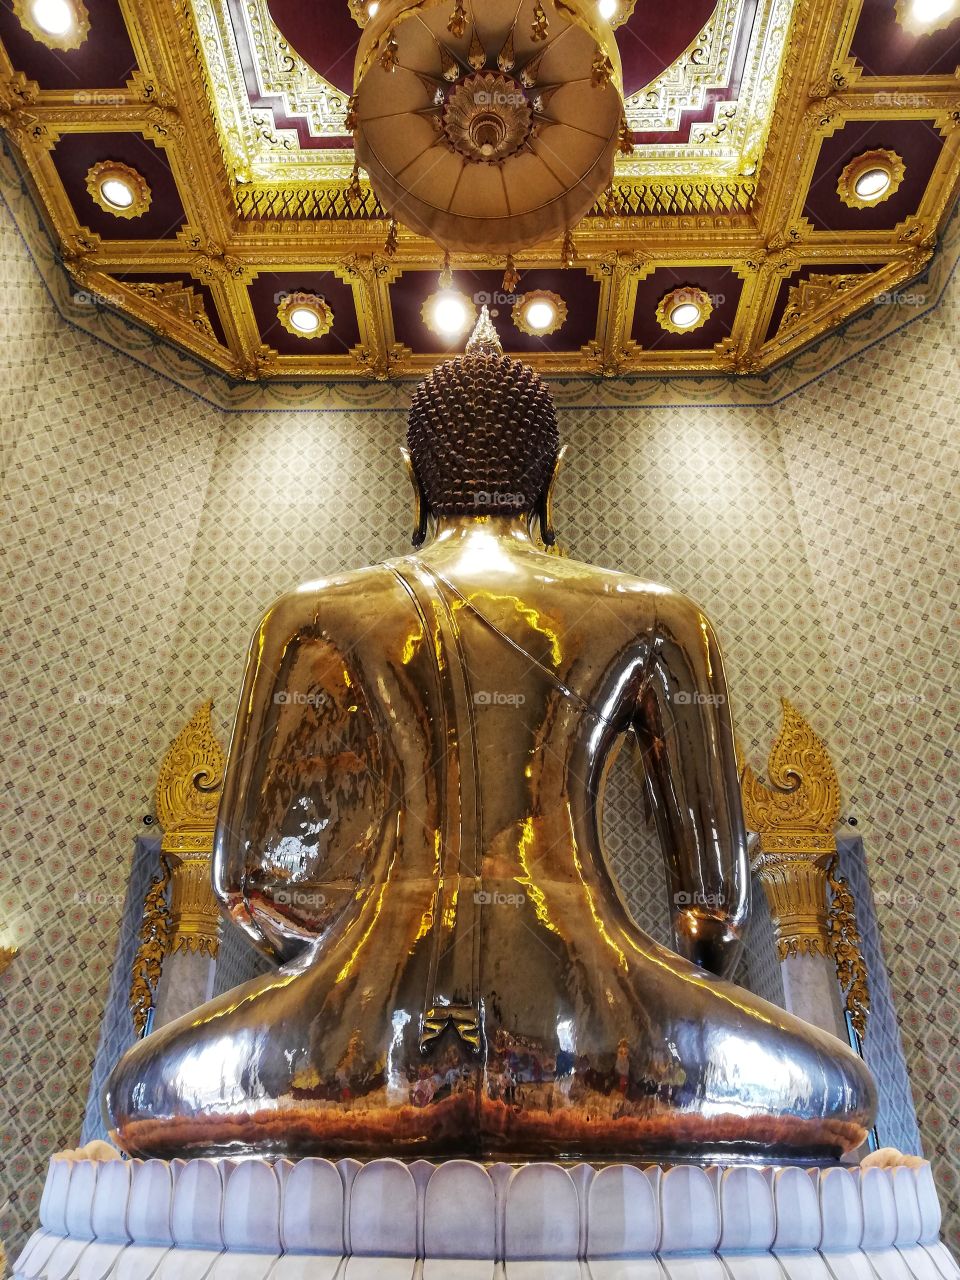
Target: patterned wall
x=148 y=530
x=105 y=468
x=873 y=457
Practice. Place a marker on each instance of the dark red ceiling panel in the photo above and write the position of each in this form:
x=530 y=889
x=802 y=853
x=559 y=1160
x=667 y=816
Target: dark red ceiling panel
x=580 y=292
x=105 y=60
x=884 y=48
x=819 y=268
x=722 y=284
x=269 y=290
x=657 y=34
x=76 y=153
x=324 y=35
x=916 y=141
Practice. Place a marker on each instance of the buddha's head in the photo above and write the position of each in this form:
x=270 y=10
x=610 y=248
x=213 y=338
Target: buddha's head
x=483 y=437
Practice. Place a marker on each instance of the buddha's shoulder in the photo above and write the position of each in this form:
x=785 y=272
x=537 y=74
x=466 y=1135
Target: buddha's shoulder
x=619 y=588
x=349 y=594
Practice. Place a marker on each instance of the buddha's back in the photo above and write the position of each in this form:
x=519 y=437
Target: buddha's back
x=410 y=818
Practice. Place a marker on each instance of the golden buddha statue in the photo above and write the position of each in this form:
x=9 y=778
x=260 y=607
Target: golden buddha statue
x=411 y=824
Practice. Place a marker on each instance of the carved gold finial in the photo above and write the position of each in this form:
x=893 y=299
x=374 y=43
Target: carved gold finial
x=794 y=819
x=188 y=788
x=485 y=341
x=7 y=957
x=187 y=799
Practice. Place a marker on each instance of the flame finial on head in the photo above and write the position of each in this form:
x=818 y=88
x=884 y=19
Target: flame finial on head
x=485 y=341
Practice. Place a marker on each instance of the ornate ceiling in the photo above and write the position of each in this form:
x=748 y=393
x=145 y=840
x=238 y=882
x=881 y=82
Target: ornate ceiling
x=758 y=128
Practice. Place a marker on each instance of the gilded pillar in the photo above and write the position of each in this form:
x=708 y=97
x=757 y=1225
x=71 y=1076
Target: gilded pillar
x=795 y=819
x=181 y=931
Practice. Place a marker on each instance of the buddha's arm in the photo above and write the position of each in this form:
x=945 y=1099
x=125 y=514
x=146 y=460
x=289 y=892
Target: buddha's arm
x=246 y=761
x=686 y=736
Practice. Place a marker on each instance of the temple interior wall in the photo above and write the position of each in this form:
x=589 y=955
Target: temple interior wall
x=149 y=530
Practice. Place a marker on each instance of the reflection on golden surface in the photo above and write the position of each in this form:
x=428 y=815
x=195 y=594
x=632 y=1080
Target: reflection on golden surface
x=416 y=833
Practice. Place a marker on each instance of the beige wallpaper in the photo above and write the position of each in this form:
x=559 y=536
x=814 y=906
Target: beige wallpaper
x=148 y=530
x=873 y=457
x=105 y=468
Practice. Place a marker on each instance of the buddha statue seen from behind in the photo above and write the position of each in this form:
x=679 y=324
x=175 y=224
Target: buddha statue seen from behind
x=411 y=824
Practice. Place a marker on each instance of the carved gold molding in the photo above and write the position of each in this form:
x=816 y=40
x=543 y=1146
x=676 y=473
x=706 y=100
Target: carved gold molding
x=187 y=799
x=847 y=948
x=794 y=818
x=7 y=957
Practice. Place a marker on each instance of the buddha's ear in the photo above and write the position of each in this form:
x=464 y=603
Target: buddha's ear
x=421 y=511
x=544 y=511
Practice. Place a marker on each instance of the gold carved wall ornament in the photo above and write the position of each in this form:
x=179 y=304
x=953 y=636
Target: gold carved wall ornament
x=187 y=799
x=847 y=948
x=794 y=818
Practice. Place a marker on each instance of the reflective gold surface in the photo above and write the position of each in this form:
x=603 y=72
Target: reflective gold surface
x=412 y=823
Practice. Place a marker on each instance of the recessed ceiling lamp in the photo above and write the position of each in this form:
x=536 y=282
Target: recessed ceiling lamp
x=870 y=178
x=923 y=17
x=539 y=313
x=449 y=314
x=616 y=12
x=59 y=24
x=305 y=315
x=684 y=310
x=118 y=189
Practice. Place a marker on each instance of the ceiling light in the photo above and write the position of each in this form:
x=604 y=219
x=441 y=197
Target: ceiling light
x=927 y=11
x=685 y=309
x=117 y=192
x=870 y=178
x=539 y=313
x=304 y=319
x=872 y=184
x=685 y=314
x=59 y=24
x=608 y=9
x=372 y=8
x=305 y=315
x=55 y=17
x=118 y=189
x=448 y=313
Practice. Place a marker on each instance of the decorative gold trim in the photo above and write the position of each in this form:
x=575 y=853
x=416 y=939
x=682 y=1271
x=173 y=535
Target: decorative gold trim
x=188 y=787
x=848 y=953
x=194 y=914
x=426 y=314
x=684 y=296
x=104 y=171
x=306 y=302
x=807 y=297
x=794 y=818
x=71 y=39
x=623 y=14
x=915 y=27
x=888 y=161
x=7 y=957
x=154 y=941
x=521 y=306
